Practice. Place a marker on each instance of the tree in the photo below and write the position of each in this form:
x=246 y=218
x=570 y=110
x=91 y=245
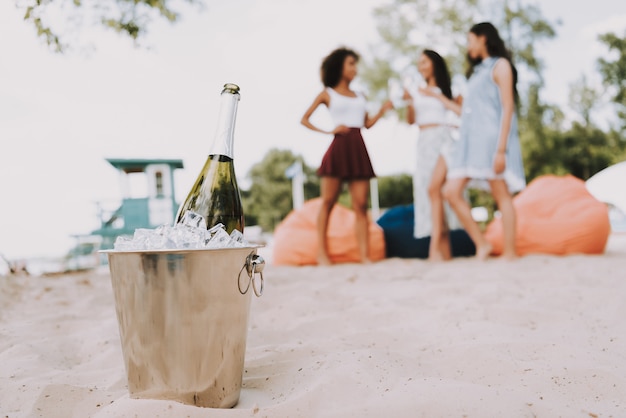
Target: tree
x=583 y=99
x=589 y=150
x=613 y=71
x=538 y=125
x=269 y=198
x=129 y=17
x=522 y=28
x=581 y=151
x=406 y=27
x=395 y=190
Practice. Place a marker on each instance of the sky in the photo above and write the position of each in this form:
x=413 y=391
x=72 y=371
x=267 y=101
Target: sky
x=61 y=116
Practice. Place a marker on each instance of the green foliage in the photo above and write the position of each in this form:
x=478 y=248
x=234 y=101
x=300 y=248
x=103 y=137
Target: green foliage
x=483 y=198
x=344 y=197
x=130 y=18
x=395 y=190
x=583 y=98
x=269 y=198
x=251 y=218
x=377 y=75
x=406 y=27
x=581 y=151
x=613 y=71
x=589 y=150
x=523 y=28
x=537 y=127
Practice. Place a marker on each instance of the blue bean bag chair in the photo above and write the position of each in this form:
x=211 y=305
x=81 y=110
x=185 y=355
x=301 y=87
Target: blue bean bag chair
x=397 y=224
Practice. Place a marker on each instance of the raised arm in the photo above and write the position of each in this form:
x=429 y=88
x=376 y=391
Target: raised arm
x=371 y=120
x=454 y=105
x=450 y=104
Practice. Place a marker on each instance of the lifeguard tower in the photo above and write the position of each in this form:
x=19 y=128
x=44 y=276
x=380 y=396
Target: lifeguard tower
x=157 y=207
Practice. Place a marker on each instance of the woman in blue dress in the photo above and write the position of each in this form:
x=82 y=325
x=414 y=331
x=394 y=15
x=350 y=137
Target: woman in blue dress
x=488 y=154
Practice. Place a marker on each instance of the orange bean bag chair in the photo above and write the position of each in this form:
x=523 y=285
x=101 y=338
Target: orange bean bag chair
x=295 y=238
x=556 y=215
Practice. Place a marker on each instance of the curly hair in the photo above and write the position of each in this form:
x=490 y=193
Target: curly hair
x=332 y=65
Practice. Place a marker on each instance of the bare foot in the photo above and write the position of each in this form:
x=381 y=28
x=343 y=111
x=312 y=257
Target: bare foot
x=509 y=256
x=444 y=247
x=483 y=252
x=323 y=260
x=435 y=256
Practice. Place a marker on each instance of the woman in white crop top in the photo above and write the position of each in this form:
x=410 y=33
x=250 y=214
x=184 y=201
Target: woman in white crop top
x=347 y=158
x=431 y=109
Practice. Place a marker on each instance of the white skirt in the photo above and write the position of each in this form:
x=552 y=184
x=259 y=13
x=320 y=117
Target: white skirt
x=432 y=143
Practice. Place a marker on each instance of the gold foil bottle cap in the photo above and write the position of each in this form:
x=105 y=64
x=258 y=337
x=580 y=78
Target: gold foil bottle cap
x=231 y=88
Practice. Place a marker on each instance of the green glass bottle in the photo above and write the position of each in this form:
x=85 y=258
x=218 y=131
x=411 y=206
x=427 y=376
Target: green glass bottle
x=215 y=194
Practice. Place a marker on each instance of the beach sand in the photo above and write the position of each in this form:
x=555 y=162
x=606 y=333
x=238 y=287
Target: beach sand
x=541 y=336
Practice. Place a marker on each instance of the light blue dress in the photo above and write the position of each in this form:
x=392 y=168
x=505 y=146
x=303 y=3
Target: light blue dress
x=479 y=132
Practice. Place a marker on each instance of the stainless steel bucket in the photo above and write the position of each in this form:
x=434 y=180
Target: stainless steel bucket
x=183 y=318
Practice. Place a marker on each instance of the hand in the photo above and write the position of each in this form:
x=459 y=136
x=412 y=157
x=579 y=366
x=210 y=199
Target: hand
x=341 y=129
x=499 y=162
x=406 y=96
x=388 y=105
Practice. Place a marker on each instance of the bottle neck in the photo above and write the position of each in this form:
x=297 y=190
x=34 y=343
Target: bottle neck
x=224 y=134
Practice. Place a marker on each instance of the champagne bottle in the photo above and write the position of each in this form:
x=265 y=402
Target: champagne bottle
x=215 y=194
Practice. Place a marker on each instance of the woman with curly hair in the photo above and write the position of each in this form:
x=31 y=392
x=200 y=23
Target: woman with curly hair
x=346 y=159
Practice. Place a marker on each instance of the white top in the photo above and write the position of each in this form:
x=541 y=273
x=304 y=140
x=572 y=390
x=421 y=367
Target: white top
x=345 y=110
x=430 y=110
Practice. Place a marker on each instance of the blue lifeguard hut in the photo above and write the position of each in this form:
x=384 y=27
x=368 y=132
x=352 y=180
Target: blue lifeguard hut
x=157 y=207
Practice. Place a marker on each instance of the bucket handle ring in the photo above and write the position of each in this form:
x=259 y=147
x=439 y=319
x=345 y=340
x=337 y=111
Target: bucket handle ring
x=254 y=264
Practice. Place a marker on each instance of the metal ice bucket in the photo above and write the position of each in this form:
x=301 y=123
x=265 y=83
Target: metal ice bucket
x=183 y=318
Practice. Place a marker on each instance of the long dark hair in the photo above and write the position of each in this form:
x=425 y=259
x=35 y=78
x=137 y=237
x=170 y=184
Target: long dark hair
x=495 y=48
x=440 y=71
x=332 y=66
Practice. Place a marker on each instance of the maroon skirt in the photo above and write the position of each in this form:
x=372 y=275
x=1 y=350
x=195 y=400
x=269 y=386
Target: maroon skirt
x=347 y=158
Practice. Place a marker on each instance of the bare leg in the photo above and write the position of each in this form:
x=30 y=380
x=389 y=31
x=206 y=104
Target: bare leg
x=330 y=187
x=439 y=243
x=444 y=245
x=359 y=191
x=453 y=193
x=504 y=200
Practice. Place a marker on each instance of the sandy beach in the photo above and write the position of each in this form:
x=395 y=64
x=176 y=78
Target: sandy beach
x=541 y=336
